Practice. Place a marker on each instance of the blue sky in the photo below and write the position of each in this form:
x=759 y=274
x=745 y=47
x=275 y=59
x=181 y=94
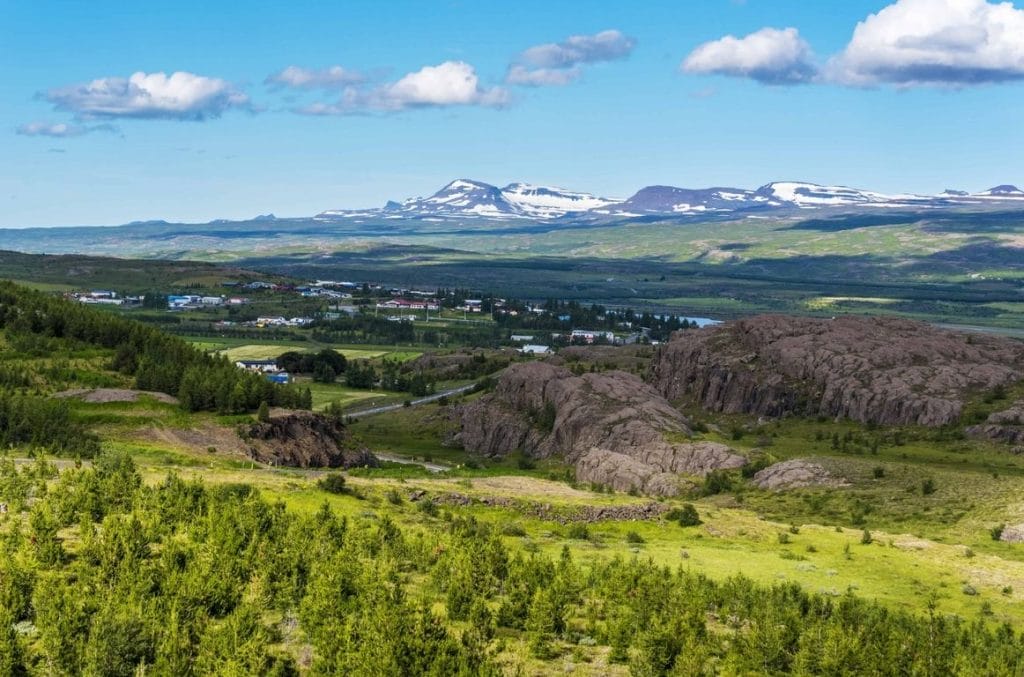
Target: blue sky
x=648 y=92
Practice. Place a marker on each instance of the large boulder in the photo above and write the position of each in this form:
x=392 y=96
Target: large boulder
x=614 y=428
x=305 y=440
x=869 y=369
x=1003 y=426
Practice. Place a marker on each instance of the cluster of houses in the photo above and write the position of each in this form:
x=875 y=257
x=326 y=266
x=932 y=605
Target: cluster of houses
x=281 y=322
x=105 y=297
x=195 y=301
x=409 y=304
x=268 y=368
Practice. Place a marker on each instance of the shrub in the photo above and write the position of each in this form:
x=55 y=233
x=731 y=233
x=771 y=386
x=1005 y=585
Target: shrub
x=783 y=538
x=716 y=482
x=263 y=413
x=687 y=515
x=513 y=530
x=333 y=483
x=927 y=487
x=578 y=531
x=997 y=532
x=394 y=497
x=878 y=472
x=633 y=537
x=866 y=538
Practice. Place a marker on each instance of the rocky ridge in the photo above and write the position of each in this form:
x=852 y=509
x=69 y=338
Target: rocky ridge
x=869 y=369
x=612 y=426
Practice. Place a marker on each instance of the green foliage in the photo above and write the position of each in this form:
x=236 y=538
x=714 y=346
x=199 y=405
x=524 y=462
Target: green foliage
x=686 y=515
x=188 y=580
x=263 y=413
x=157 y=361
x=927 y=487
x=333 y=483
x=716 y=482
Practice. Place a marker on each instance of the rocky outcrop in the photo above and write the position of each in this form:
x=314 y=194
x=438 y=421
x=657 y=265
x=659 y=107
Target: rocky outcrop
x=305 y=440
x=613 y=427
x=795 y=474
x=1013 y=533
x=869 y=369
x=1002 y=426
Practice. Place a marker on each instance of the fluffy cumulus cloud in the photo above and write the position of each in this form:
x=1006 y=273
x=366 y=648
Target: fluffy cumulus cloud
x=452 y=83
x=179 y=96
x=560 y=63
x=771 y=56
x=935 y=42
x=296 y=77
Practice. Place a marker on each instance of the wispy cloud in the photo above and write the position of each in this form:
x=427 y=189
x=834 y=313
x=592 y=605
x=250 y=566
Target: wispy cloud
x=61 y=130
x=770 y=56
x=179 y=96
x=452 y=83
x=332 y=77
x=560 y=63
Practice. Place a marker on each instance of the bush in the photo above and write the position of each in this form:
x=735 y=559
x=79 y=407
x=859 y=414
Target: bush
x=394 y=498
x=332 y=483
x=716 y=482
x=996 y=532
x=687 y=515
x=578 y=531
x=927 y=487
x=783 y=538
x=635 y=538
x=866 y=538
x=513 y=530
x=878 y=472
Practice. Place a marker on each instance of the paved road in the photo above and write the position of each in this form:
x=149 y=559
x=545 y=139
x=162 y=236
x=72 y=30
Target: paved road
x=423 y=400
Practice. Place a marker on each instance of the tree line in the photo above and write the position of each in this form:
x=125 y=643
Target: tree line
x=157 y=361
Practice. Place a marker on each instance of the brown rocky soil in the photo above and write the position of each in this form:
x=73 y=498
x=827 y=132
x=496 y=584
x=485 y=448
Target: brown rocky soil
x=101 y=395
x=1003 y=426
x=611 y=425
x=869 y=369
x=795 y=474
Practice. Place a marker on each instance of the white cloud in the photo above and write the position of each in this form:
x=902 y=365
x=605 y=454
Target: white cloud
x=452 y=83
x=934 y=42
x=332 y=77
x=181 y=96
x=771 y=56
x=59 y=129
x=559 y=63
x=519 y=74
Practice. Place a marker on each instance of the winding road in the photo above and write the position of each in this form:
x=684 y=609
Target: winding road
x=413 y=403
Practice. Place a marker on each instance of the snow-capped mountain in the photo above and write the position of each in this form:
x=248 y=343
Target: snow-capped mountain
x=1003 y=192
x=468 y=198
x=465 y=198
x=672 y=200
x=545 y=202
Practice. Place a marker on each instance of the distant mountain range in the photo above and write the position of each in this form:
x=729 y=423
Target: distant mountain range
x=465 y=198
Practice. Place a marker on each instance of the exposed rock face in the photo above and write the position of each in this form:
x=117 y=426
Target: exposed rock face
x=1012 y=533
x=610 y=425
x=794 y=474
x=869 y=369
x=305 y=440
x=1003 y=426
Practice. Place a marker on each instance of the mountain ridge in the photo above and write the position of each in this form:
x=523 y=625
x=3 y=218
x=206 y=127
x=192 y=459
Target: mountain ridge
x=463 y=198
